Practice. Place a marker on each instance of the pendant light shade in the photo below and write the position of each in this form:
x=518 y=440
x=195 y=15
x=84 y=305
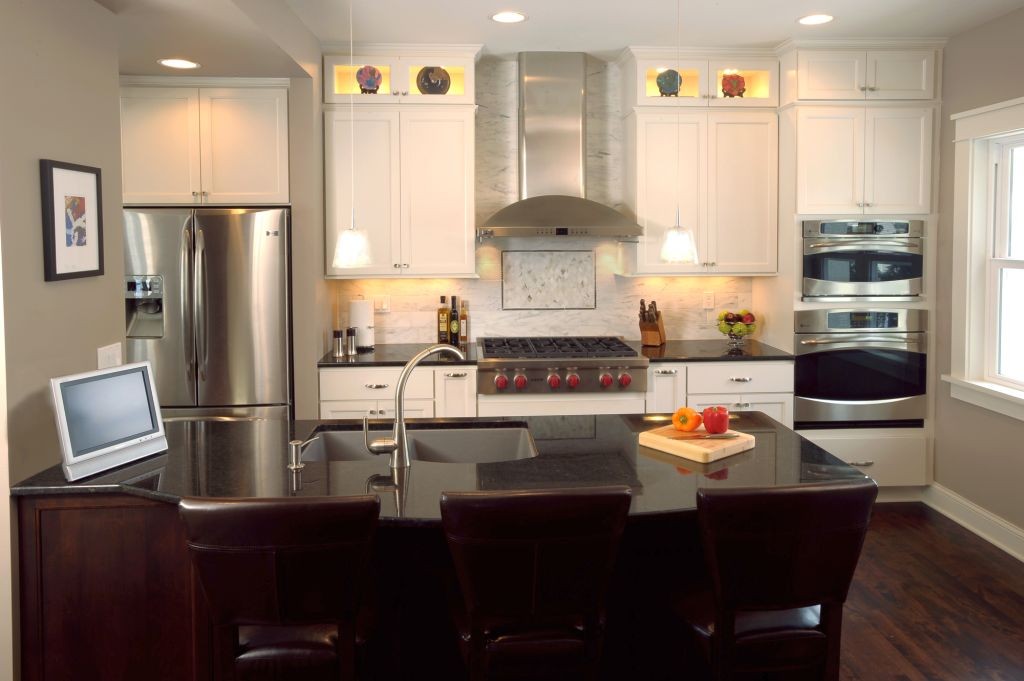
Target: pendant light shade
x=352 y=247
x=679 y=244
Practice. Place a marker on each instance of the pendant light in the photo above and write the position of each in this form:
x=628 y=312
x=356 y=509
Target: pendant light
x=352 y=248
x=679 y=245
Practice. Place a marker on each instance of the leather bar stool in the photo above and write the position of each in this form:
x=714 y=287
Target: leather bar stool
x=780 y=561
x=283 y=580
x=533 y=569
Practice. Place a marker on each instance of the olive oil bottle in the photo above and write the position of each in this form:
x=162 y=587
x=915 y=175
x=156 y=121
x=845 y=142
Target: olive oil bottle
x=443 y=319
x=464 y=327
x=453 y=323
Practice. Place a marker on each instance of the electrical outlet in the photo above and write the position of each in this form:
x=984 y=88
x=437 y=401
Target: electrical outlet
x=382 y=303
x=108 y=356
x=708 y=300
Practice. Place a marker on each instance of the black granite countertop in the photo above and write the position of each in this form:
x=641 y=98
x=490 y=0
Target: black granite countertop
x=248 y=459
x=397 y=354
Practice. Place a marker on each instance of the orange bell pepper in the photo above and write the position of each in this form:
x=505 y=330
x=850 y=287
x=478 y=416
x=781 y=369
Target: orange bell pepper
x=686 y=419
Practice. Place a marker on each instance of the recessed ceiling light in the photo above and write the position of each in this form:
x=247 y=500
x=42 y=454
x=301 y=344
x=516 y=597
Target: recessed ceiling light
x=178 y=63
x=508 y=17
x=815 y=19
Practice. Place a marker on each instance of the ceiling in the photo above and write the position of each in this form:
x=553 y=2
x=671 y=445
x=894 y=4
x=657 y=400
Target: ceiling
x=604 y=27
x=221 y=36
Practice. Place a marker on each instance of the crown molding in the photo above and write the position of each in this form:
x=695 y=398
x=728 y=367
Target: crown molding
x=465 y=51
x=201 y=81
x=690 y=52
x=860 y=44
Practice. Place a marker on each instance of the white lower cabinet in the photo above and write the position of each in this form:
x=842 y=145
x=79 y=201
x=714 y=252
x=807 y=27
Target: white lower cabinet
x=893 y=457
x=355 y=392
x=739 y=386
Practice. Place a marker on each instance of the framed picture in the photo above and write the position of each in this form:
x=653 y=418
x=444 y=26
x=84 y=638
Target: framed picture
x=72 y=220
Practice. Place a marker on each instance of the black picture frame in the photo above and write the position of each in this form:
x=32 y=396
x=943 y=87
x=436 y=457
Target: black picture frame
x=77 y=192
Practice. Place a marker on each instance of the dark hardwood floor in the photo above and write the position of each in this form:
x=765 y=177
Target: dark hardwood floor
x=931 y=601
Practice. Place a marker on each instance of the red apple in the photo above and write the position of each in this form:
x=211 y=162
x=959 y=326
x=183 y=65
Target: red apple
x=748 y=318
x=716 y=420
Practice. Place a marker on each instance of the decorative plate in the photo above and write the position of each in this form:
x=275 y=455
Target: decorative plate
x=733 y=85
x=433 y=80
x=369 y=79
x=669 y=83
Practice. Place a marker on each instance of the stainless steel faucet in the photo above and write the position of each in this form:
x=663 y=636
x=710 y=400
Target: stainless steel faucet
x=398 y=444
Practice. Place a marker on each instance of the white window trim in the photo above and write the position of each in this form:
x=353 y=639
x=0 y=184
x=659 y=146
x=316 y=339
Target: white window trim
x=972 y=217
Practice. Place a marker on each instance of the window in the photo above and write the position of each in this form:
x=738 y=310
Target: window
x=1005 y=295
x=987 y=363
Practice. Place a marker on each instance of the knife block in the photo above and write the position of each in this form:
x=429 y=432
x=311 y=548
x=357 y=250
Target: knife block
x=652 y=334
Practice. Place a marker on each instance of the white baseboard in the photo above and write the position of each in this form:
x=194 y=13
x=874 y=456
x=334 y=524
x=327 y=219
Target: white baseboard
x=898 y=494
x=985 y=524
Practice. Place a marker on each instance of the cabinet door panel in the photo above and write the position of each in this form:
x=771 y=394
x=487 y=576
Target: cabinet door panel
x=244 y=143
x=832 y=74
x=743 y=191
x=904 y=74
x=777 y=405
x=830 y=160
x=414 y=409
x=666 y=388
x=898 y=160
x=160 y=145
x=671 y=175
x=437 y=192
x=348 y=409
x=376 y=188
x=455 y=391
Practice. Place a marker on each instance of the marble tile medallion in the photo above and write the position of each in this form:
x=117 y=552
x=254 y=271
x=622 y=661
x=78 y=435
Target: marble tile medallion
x=548 y=280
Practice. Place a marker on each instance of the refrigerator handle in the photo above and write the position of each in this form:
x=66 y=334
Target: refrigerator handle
x=200 y=292
x=188 y=331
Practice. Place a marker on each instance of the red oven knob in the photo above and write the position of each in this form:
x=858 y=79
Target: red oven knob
x=573 y=380
x=501 y=381
x=520 y=381
x=605 y=380
x=625 y=380
x=554 y=381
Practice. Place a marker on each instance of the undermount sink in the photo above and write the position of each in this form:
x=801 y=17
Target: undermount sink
x=445 y=445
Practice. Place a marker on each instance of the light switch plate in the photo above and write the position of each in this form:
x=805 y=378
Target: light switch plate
x=109 y=356
x=708 y=300
x=382 y=303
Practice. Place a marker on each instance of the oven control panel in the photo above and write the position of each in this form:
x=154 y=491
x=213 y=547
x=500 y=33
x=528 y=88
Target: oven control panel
x=512 y=380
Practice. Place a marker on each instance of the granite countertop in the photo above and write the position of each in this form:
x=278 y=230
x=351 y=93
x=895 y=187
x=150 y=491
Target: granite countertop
x=248 y=459
x=397 y=354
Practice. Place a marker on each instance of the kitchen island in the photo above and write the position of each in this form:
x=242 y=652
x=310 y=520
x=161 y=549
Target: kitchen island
x=109 y=549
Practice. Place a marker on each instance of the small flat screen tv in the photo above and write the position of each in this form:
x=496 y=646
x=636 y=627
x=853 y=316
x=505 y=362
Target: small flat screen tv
x=107 y=418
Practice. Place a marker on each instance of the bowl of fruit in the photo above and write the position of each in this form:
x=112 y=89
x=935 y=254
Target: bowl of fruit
x=737 y=325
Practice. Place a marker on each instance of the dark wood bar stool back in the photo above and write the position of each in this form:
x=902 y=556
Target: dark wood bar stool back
x=781 y=561
x=533 y=569
x=283 y=580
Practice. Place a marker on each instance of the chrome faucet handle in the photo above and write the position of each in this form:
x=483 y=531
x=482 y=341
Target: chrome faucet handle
x=384 y=445
x=295 y=448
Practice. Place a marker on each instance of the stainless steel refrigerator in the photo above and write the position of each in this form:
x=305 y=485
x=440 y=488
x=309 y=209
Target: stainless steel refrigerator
x=206 y=296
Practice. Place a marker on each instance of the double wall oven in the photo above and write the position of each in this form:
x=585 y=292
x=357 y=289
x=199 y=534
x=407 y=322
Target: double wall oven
x=860 y=368
x=851 y=260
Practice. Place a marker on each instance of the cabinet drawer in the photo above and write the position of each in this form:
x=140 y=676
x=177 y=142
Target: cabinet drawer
x=383 y=409
x=892 y=459
x=377 y=383
x=740 y=377
x=777 y=405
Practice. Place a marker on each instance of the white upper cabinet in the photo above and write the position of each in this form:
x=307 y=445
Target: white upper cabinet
x=429 y=77
x=204 y=145
x=414 y=179
x=864 y=160
x=727 y=81
x=720 y=170
x=858 y=74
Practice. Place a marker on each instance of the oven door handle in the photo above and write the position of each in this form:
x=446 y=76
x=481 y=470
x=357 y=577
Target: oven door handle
x=900 y=342
x=855 y=339
x=908 y=246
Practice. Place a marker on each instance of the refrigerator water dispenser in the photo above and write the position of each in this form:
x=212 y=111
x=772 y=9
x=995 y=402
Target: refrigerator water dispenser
x=144 y=306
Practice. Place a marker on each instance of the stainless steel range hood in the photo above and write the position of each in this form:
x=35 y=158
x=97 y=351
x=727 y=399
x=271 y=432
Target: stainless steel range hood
x=552 y=156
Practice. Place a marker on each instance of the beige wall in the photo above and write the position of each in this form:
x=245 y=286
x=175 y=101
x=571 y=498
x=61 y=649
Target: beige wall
x=58 y=73
x=978 y=453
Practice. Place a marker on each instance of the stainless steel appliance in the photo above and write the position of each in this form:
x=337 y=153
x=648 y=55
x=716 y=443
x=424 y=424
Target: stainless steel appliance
x=863 y=260
x=559 y=376
x=207 y=303
x=860 y=368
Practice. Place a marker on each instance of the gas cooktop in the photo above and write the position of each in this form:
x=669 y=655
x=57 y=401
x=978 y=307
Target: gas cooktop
x=555 y=347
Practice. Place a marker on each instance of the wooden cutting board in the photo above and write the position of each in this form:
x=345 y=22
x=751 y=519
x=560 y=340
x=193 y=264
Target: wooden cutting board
x=690 y=445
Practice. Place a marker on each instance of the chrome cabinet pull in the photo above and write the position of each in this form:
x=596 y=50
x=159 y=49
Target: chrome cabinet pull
x=872 y=89
x=405 y=265
x=741 y=405
x=376 y=386
x=862 y=464
x=740 y=379
x=456 y=374
x=666 y=372
x=396 y=265
x=863 y=88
